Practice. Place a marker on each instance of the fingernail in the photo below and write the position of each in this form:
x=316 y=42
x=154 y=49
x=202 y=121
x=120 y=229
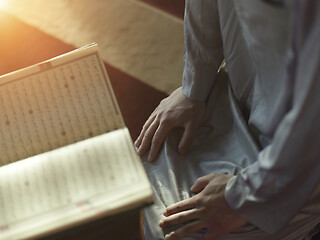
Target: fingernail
x=160 y=223
x=168 y=236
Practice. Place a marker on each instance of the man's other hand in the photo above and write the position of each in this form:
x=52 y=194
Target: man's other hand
x=206 y=210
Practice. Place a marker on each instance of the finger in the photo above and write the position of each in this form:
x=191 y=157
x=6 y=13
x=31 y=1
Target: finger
x=185 y=231
x=179 y=218
x=181 y=206
x=186 y=139
x=146 y=125
x=200 y=183
x=158 y=139
x=147 y=137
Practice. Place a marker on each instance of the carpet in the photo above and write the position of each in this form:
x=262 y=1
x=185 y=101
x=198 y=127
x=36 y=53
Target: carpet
x=137 y=38
x=175 y=7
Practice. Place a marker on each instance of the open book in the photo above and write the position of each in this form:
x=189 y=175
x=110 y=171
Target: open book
x=66 y=156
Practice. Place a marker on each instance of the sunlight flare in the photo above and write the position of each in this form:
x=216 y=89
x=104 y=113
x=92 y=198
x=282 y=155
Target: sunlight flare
x=3 y=4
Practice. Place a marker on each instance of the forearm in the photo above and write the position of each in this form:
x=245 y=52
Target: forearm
x=273 y=189
x=203 y=48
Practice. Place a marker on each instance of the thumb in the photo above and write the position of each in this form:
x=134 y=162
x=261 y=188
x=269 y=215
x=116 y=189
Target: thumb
x=186 y=140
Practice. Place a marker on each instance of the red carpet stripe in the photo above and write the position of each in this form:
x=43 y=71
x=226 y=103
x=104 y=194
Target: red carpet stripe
x=174 y=7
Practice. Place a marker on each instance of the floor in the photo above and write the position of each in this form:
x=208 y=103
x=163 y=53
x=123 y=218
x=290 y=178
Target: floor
x=137 y=38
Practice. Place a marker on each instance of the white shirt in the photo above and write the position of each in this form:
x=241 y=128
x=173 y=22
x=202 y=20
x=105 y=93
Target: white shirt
x=272 y=53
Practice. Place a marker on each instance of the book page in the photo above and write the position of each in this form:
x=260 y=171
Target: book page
x=55 y=103
x=66 y=182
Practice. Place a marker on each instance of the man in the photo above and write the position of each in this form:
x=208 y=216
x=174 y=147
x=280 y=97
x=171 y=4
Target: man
x=249 y=142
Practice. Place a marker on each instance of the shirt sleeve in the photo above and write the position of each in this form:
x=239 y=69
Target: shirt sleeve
x=270 y=192
x=203 y=48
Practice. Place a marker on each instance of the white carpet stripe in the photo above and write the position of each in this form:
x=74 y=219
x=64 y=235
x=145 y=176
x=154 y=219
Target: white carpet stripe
x=158 y=11
x=140 y=40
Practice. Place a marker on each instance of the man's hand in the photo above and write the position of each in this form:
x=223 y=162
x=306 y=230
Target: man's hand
x=208 y=209
x=174 y=111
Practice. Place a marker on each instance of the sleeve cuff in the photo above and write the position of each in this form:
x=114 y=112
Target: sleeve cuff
x=197 y=81
x=256 y=211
